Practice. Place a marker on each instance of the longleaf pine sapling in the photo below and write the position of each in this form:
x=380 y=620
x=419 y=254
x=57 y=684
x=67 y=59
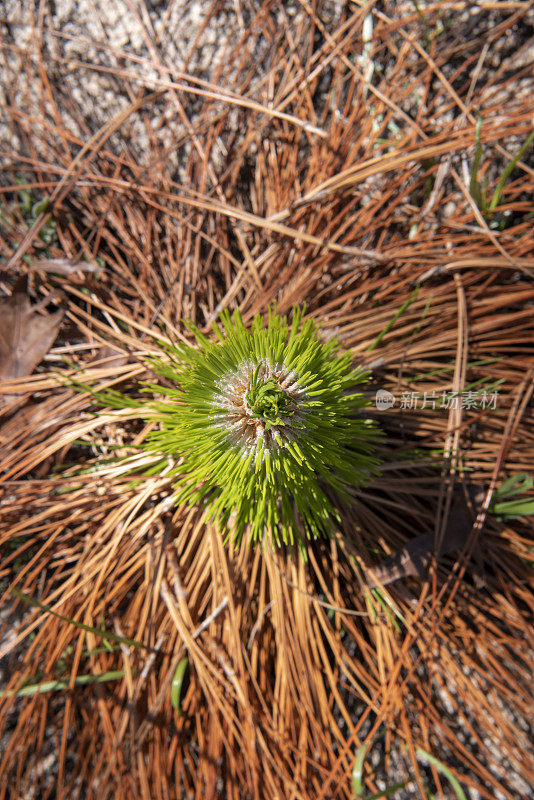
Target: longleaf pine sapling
x=260 y=423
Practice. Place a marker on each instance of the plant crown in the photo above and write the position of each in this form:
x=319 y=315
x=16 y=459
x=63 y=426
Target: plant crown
x=262 y=424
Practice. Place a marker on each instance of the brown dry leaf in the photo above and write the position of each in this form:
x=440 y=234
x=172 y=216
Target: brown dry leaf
x=112 y=357
x=64 y=266
x=25 y=334
x=413 y=559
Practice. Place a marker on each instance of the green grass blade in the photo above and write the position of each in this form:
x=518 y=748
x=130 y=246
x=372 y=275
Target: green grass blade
x=423 y=317
x=521 y=482
x=424 y=24
x=357 y=770
x=495 y=200
x=388 y=790
x=389 y=608
x=392 y=322
x=514 y=508
x=107 y=635
x=445 y=771
x=57 y=686
x=176 y=685
x=475 y=189
x=444 y=370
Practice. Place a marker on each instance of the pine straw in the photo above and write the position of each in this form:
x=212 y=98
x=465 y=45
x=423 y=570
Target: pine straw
x=286 y=191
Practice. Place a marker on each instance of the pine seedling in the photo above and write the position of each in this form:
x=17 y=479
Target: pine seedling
x=261 y=424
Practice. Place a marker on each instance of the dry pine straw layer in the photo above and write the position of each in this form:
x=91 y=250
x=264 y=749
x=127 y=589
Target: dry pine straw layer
x=294 y=188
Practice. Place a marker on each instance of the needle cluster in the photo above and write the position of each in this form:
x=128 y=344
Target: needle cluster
x=261 y=424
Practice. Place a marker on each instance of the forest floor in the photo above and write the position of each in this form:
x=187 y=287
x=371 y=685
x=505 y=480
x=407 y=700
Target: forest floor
x=163 y=161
